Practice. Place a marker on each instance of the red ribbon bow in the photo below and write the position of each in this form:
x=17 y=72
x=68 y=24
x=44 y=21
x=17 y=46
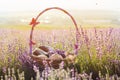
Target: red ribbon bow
x=33 y=22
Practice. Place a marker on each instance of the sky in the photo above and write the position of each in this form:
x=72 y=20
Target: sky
x=35 y=5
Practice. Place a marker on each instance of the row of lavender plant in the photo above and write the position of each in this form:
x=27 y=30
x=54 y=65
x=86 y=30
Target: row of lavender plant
x=52 y=74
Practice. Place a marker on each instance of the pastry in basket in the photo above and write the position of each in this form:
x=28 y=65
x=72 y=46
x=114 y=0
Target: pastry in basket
x=69 y=60
x=39 y=55
x=70 y=57
x=56 y=59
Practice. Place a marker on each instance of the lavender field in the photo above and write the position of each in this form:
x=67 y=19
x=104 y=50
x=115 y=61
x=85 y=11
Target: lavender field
x=59 y=39
x=98 y=55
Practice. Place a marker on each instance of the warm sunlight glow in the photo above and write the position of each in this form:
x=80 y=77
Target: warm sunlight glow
x=31 y=5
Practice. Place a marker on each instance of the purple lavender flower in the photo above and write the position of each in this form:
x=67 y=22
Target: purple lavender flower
x=61 y=52
x=76 y=48
x=4 y=69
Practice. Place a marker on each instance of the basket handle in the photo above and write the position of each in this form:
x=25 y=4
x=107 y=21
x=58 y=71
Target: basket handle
x=34 y=22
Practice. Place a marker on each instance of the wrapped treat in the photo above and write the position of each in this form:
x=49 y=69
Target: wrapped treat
x=38 y=51
x=56 y=59
x=39 y=55
x=70 y=57
x=47 y=49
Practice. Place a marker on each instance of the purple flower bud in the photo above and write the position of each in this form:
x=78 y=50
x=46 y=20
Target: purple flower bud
x=76 y=46
x=4 y=69
x=61 y=52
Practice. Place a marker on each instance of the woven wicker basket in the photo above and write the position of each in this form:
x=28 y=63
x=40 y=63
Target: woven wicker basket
x=39 y=58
